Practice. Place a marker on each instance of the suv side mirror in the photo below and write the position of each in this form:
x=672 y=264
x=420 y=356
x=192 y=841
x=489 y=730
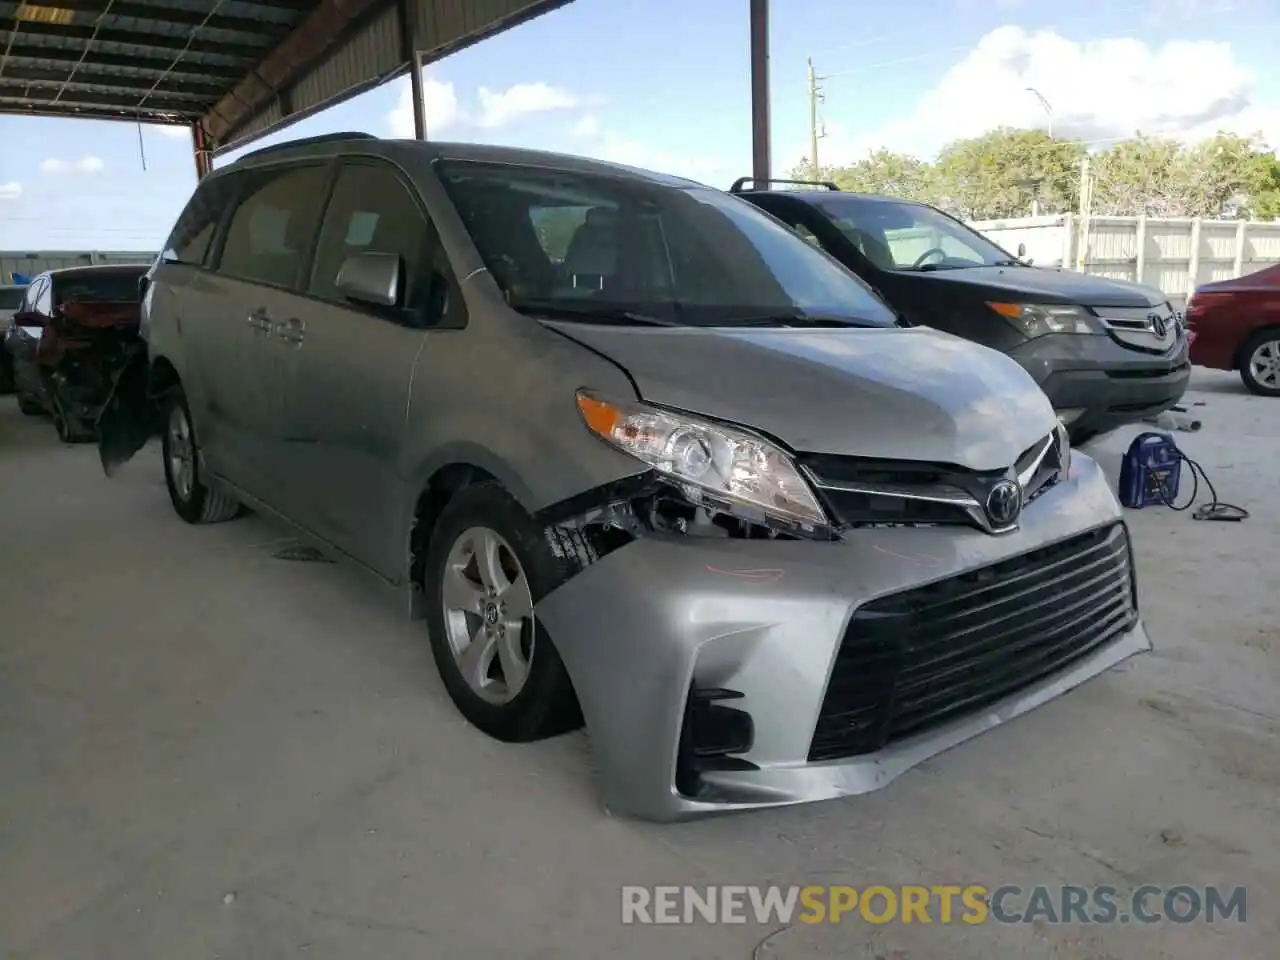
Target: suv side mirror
x=1022 y=251
x=371 y=278
x=29 y=318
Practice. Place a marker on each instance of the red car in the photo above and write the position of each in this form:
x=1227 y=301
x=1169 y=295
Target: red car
x=1235 y=325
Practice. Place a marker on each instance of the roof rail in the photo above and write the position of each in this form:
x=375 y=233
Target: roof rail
x=309 y=141
x=743 y=181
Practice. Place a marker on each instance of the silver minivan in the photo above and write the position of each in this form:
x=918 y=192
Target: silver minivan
x=638 y=454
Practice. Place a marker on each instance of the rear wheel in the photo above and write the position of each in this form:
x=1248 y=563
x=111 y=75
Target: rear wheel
x=30 y=406
x=487 y=565
x=193 y=501
x=1260 y=369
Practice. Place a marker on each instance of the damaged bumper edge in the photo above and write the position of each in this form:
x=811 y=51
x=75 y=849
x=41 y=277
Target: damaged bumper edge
x=740 y=639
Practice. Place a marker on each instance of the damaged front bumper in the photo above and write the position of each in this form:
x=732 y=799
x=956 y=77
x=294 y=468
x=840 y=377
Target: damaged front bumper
x=727 y=674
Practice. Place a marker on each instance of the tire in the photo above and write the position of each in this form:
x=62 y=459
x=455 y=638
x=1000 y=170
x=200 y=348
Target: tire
x=1260 y=364
x=192 y=500
x=544 y=703
x=30 y=406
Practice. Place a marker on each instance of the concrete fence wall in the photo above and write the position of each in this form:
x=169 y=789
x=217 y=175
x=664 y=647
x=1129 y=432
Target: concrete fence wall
x=25 y=263
x=1175 y=254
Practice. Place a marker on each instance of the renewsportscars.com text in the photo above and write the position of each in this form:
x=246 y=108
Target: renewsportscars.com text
x=934 y=904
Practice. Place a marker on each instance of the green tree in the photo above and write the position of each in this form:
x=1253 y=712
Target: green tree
x=887 y=173
x=1145 y=175
x=1001 y=173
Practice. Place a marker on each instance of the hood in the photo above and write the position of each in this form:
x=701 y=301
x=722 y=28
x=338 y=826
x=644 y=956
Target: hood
x=1044 y=285
x=1268 y=278
x=899 y=393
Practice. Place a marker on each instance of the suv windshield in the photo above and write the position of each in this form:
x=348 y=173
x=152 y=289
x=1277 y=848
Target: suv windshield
x=108 y=287
x=613 y=249
x=896 y=235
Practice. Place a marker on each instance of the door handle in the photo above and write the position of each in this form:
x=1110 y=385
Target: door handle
x=292 y=331
x=259 y=319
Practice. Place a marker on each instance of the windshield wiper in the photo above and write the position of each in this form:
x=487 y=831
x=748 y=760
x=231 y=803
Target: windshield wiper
x=1007 y=263
x=789 y=320
x=590 y=313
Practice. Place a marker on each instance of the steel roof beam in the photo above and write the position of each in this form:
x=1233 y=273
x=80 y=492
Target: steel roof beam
x=130 y=38
x=20 y=76
x=20 y=52
x=148 y=12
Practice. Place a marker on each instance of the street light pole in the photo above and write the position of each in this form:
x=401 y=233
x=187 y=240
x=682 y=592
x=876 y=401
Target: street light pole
x=1047 y=108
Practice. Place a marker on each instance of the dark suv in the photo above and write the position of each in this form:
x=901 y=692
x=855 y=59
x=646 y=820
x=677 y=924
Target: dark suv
x=1105 y=352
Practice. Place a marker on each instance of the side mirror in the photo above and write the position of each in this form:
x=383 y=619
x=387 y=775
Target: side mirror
x=1022 y=251
x=371 y=278
x=29 y=318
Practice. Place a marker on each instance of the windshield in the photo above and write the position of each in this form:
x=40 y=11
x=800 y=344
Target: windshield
x=107 y=287
x=608 y=248
x=909 y=236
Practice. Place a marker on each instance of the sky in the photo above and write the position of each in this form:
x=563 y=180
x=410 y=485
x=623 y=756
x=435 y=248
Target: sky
x=665 y=84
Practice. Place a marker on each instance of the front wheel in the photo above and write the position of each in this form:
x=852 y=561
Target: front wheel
x=487 y=566
x=30 y=406
x=193 y=501
x=1260 y=370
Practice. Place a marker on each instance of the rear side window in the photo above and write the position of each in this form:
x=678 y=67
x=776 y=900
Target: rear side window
x=270 y=234
x=113 y=287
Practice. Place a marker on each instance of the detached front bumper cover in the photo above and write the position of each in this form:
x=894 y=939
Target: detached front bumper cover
x=715 y=674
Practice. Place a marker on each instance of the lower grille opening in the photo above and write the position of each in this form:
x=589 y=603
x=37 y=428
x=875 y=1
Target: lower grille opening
x=710 y=737
x=916 y=660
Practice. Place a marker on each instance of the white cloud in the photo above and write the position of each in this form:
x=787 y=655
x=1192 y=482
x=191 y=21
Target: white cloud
x=1099 y=90
x=86 y=164
x=588 y=127
x=442 y=108
x=170 y=130
x=496 y=108
x=603 y=144
x=11 y=190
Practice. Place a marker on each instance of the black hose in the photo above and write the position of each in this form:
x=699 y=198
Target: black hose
x=1215 y=509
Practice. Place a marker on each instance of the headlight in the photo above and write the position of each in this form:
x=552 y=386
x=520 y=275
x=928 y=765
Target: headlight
x=730 y=466
x=1064 y=451
x=1038 y=319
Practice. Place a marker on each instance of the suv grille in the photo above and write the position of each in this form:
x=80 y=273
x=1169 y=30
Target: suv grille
x=861 y=492
x=915 y=660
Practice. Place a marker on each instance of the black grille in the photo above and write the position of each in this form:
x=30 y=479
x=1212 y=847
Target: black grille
x=915 y=660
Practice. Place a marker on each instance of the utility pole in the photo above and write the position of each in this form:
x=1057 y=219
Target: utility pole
x=1086 y=205
x=815 y=96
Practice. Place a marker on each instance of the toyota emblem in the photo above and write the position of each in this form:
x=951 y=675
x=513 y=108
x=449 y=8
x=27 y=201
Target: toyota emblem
x=1004 y=503
x=1157 y=325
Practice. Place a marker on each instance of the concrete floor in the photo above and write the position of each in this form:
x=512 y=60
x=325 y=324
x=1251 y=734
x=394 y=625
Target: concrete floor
x=208 y=752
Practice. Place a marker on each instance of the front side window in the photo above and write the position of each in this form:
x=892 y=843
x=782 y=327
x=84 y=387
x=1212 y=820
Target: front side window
x=43 y=303
x=373 y=211
x=577 y=242
x=895 y=235
x=192 y=235
x=269 y=237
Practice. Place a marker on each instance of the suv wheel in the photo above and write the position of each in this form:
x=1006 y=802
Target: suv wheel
x=30 y=406
x=487 y=565
x=192 y=499
x=1260 y=370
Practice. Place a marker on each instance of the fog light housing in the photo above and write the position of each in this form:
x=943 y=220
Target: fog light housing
x=1069 y=416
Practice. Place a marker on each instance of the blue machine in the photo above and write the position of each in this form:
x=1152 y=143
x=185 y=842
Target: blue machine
x=1150 y=470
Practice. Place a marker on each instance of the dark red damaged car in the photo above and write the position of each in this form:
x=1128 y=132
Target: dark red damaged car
x=70 y=340
x=1235 y=325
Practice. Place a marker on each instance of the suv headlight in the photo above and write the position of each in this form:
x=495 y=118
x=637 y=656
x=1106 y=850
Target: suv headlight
x=743 y=472
x=1038 y=319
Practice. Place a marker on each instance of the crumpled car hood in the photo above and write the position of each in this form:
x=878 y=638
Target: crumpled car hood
x=912 y=394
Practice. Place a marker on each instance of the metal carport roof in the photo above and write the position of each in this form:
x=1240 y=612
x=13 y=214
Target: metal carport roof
x=234 y=70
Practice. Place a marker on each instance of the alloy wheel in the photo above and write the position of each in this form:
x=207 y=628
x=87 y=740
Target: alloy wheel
x=1264 y=364
x=488 y=615
x=181 y=453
